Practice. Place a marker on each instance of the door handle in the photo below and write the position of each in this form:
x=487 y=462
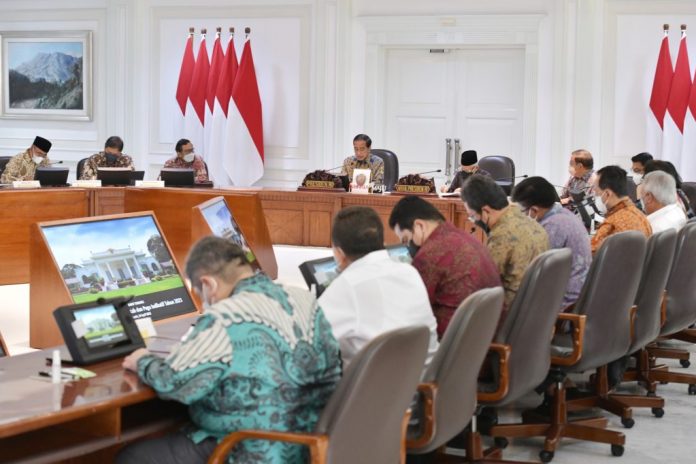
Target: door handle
x=448 y=159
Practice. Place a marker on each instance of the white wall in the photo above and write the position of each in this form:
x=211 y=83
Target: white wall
x=591 y=62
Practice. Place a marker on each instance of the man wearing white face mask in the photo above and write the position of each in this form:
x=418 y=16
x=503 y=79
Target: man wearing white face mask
x=23 y=165
x=261 y=356
x=580 y=169
x=187 y=158
x=638 y=163
x=620 y=214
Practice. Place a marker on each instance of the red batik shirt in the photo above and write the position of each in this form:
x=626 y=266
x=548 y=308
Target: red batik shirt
x=453 y=265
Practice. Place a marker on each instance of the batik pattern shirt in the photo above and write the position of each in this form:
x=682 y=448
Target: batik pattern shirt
x=461 y=176
x=453 y=265
x=622 y=217
x=264 y=358
x=21 y=167
x=577 y=185
x=200 y=172
x=514 y=241
x=372 y=162
x=566 y=230
x=98 y=160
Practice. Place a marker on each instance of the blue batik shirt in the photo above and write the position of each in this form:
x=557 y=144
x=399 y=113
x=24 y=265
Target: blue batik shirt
x=264 y=358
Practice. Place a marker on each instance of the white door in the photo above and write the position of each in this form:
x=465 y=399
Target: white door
x=474 y=95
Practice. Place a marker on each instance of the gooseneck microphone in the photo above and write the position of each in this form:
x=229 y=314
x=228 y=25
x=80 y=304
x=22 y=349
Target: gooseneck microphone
x=427 y=172
x=55 y=162
x=333 y=169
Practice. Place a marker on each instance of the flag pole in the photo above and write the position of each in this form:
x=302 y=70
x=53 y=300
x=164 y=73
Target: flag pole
x=247 y=31
x=232 y=31
x=683 y=30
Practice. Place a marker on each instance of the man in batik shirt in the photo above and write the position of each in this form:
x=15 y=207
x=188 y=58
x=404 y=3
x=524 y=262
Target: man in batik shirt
x=186 y=158
x=451 y=262
x=262 y=356
x=23 y=165
x=580 y=170
x=111 y=157
x=514 y=239
x=363 y=159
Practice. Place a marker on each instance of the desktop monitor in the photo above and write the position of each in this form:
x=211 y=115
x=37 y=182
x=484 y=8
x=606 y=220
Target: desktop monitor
x=125 y=256
x=177 y=177
x=220 y=220
x=50 y=176
x=115 y=176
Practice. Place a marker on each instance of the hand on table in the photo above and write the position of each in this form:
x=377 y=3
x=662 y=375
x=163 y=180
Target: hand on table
x=130 y=362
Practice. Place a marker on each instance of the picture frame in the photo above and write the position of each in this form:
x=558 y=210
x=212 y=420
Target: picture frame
x=46 y=75
x=361 y=181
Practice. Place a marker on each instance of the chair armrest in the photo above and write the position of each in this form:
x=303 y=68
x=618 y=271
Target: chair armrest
x=503 y=352
x=577 y=322
x=429 y=393
x=632 y=314
x=663 y=308
x=317 y=444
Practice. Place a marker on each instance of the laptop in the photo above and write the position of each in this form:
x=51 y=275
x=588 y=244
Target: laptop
x=53 y=177
x=115 y=176
x=177 y=177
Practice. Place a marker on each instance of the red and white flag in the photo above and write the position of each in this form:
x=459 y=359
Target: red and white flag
x=688 y=157
x=211 y=87
x=223 y=95
x=676 y=107
x=244 y=156
x=659 y=97
x=195 y=112
x=188 y=61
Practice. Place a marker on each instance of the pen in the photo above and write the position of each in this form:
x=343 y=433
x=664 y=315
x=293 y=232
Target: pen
x=65 y=375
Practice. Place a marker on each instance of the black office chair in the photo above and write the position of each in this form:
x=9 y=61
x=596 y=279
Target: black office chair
x=689 y=189
x=80 y=166
x=391 y=166
x=3 y=162
x=502 y=169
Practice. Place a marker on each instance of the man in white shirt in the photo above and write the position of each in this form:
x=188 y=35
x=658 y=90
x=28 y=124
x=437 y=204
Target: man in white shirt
x=373 y=294
x=658 y=193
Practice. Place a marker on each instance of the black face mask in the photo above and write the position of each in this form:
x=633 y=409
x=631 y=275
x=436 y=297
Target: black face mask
x=412 y=248
x=111 y=158
x=483 y=226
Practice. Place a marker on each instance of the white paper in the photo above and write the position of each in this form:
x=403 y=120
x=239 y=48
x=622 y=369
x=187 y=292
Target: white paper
x=146 y=327
x=79 y=328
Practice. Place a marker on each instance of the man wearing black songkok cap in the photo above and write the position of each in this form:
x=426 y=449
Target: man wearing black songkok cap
x=23 y=165
x=469 y=167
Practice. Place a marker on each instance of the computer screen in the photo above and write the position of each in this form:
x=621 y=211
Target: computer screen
x=115 y=176
x=222 y=224
x=399 y=253
x=177 y=177
x=101 y=325
x=119 y=257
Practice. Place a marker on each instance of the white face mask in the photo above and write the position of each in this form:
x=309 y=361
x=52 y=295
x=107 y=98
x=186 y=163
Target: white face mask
x=189 y=158
x=205 y=296
x=601 y=206
x=37 y=159
x=637 y=178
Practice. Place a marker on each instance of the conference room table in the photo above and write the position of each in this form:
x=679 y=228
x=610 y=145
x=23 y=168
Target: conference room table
x=267 y=216
x=88 y=418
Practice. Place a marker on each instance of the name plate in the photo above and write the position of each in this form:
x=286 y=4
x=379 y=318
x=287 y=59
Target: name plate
x=26 y=184
x=322 y=184
x=149 y=183
x=87 y=183
x=413 y=188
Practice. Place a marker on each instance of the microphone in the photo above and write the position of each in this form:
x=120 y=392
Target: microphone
x=333 y=169
x=523 y=176
x=427 y=172
x=55 y=162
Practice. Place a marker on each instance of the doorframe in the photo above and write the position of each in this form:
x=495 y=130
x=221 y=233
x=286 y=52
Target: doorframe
x=383 y=33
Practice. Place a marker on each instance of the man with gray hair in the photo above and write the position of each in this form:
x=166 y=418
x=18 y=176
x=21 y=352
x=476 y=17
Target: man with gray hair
x=658 y=193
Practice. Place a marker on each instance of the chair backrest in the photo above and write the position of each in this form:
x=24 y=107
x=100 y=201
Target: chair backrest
x=391 y=166
x=3 y=348
x=689 y=189
x=659 y=256
x=364 y=416
x=607 y=297
x=456 y=364
x=681 y=285
x=80 y=166
x=502 y=169
x=528 y=326
x=3 y=162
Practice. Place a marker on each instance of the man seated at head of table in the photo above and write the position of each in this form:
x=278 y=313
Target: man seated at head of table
x=452 y=263
x=514 y=239
x=261 y=356
x=186 y=158
x=469 y=167
x=538 y=199
x=611 y=198
x=658 y=195
x=23 y=165
x=363 y=159
x=111 y=157
x=373 y=293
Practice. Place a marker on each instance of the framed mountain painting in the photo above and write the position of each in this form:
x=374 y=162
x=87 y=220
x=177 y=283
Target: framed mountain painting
x=46 y=75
